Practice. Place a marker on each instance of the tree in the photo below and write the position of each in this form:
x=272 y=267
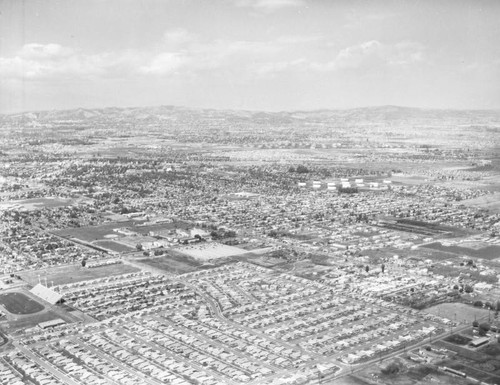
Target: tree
x=468 y=289
x=475 y=324
x=392 y=368
x=273 y=234
x=383 y=267
x=84 y=262
x=484 y=326
x=478 y=303
x=230 y=234
x=138 y=247
x=367 y=268
x=302 y=169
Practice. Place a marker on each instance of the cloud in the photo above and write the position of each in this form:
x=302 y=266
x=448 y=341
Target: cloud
x=269 y=5
x=354 y=56
x=182 y=53
x=178 y=36
x=374 y=54
x=165 y=63
x=49 y=61
x=35 y=51
x=363 y=56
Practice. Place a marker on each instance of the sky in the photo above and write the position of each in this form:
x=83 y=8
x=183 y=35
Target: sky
x=267 y=55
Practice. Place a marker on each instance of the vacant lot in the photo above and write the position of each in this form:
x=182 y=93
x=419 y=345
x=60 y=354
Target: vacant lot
x=74 y=273
x=19 y=303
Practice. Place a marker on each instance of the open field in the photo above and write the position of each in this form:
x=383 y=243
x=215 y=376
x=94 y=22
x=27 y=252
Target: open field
x=145 y=229
x=19 y=303
x=176 y=264
x=488 y=252
x=113 y=246
x=490 y=202
x=408 y=374
x=208 y=251
x=32 y=204
x=458 y=311
x=74 y=273
x=348 y=380
x=105 y=231
x=93 y=233
x=30 y=321
x=492 y=350
x=481 y=364
x=3 y=339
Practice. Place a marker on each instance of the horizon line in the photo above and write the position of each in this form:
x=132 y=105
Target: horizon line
x=250 y=110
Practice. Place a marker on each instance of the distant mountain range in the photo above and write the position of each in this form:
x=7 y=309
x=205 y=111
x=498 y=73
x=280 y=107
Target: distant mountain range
x=162 y=113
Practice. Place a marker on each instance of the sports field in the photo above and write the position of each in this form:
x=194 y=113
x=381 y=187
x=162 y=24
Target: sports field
x=208 y=251
x=458 y=311
x=18 y=303
x=74 y=273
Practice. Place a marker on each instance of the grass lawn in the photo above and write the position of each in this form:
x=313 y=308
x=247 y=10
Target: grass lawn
x=19 y=303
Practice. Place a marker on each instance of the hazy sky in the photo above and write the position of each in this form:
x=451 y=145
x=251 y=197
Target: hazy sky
x=249 y=54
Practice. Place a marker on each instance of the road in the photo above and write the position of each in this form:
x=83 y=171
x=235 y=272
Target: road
x=45 y=365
